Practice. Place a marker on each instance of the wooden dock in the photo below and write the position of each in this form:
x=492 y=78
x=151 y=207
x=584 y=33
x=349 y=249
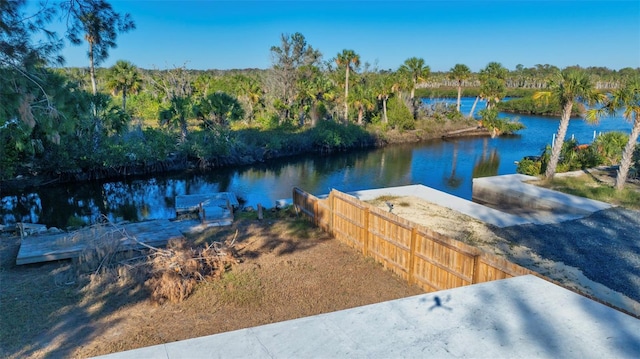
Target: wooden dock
x=44 y=248
x=214 y=208
x=467 y=132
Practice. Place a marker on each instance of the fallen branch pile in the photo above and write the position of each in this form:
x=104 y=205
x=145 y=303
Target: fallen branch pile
x=170 y=274
x=176 y=270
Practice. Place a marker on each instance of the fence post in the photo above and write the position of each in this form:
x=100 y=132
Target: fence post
x=412 y=255
x=316 y=214
x=476 y=271
x=332 y=199
x=365 y=241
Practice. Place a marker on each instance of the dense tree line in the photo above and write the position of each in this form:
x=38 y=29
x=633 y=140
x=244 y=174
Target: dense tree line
x=93 y=122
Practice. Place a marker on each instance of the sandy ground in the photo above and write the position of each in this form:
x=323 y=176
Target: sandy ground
x=472 y=231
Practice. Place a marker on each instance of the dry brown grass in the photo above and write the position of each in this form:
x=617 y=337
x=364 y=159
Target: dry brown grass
x=169 y=274
x=176 y=270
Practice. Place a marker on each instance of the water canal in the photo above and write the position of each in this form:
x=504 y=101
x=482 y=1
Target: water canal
x=448 y=166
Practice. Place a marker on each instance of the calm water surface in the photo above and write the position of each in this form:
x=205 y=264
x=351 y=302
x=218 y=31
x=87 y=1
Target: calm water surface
x=448 y=166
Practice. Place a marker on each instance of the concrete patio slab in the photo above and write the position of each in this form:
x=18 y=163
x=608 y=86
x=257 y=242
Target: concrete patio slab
x=515 y=191
x=471 y=209
x=520 y=317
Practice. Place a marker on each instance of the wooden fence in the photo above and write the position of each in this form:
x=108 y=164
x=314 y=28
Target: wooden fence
x=417 y=254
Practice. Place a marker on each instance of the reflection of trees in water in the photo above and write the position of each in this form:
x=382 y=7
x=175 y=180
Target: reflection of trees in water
x=488 y=163
x=154 y=197
x=67 y=205
x=453 y=180
x=22 y=208
x=378 y=168
x=342 y=171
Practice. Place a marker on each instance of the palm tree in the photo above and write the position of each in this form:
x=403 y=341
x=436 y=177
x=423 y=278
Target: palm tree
x=493 y=90
x=347 y=58
x=415 y=70
x=123 y=78
x=626 y=98
x=383 y=87
x=250 y=92
x=459 y=73
x=492 y=85
x=566 y=87
x=364 y=100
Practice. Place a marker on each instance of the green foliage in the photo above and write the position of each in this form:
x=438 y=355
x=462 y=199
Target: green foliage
x=452 y=92
x=219 y=108
x=605 y=150
x=499 y=126
x=8 y=153
x=493 y=90
x=440 y=112
x=609 y=146
x=587 y=187
x=268 y=121
x=145 y=107
x=133 y=148
x=329 y=136
x=209 y=145
x=399 y=114
x=96 y=22
x=529 y=167
x=293 y=63
x=527 y=105
x=123 y=78
x=113 y=119
x=634 y=171
x=446 y=92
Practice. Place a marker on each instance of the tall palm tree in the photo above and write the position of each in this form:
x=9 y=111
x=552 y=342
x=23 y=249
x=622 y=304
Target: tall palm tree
x=567 y=87
x=493 y=90
x=123 y=77
x=415 y=70
x=492 y=85
x=459 y=73
x=350 y=60
x=626 y=98
x=383 y=88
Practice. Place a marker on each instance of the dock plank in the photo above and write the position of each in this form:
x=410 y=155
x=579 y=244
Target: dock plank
x=191 y=202
x=218 y=207
x=44 y=248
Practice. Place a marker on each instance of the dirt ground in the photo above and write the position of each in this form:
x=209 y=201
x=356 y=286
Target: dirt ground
x=288 y=270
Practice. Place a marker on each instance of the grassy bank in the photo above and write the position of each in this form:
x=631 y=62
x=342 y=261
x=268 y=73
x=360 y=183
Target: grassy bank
x=597 y=186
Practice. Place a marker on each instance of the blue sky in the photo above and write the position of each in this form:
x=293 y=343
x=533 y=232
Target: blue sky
x=238 y=34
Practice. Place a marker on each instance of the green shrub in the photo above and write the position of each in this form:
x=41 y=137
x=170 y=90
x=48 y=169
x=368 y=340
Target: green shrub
x=399 y=115
x=609 y=146
x=268 y=121
x=529 y=167
x=497 y=125
x=330 y=136
x=605 y=150
x=527 y=105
